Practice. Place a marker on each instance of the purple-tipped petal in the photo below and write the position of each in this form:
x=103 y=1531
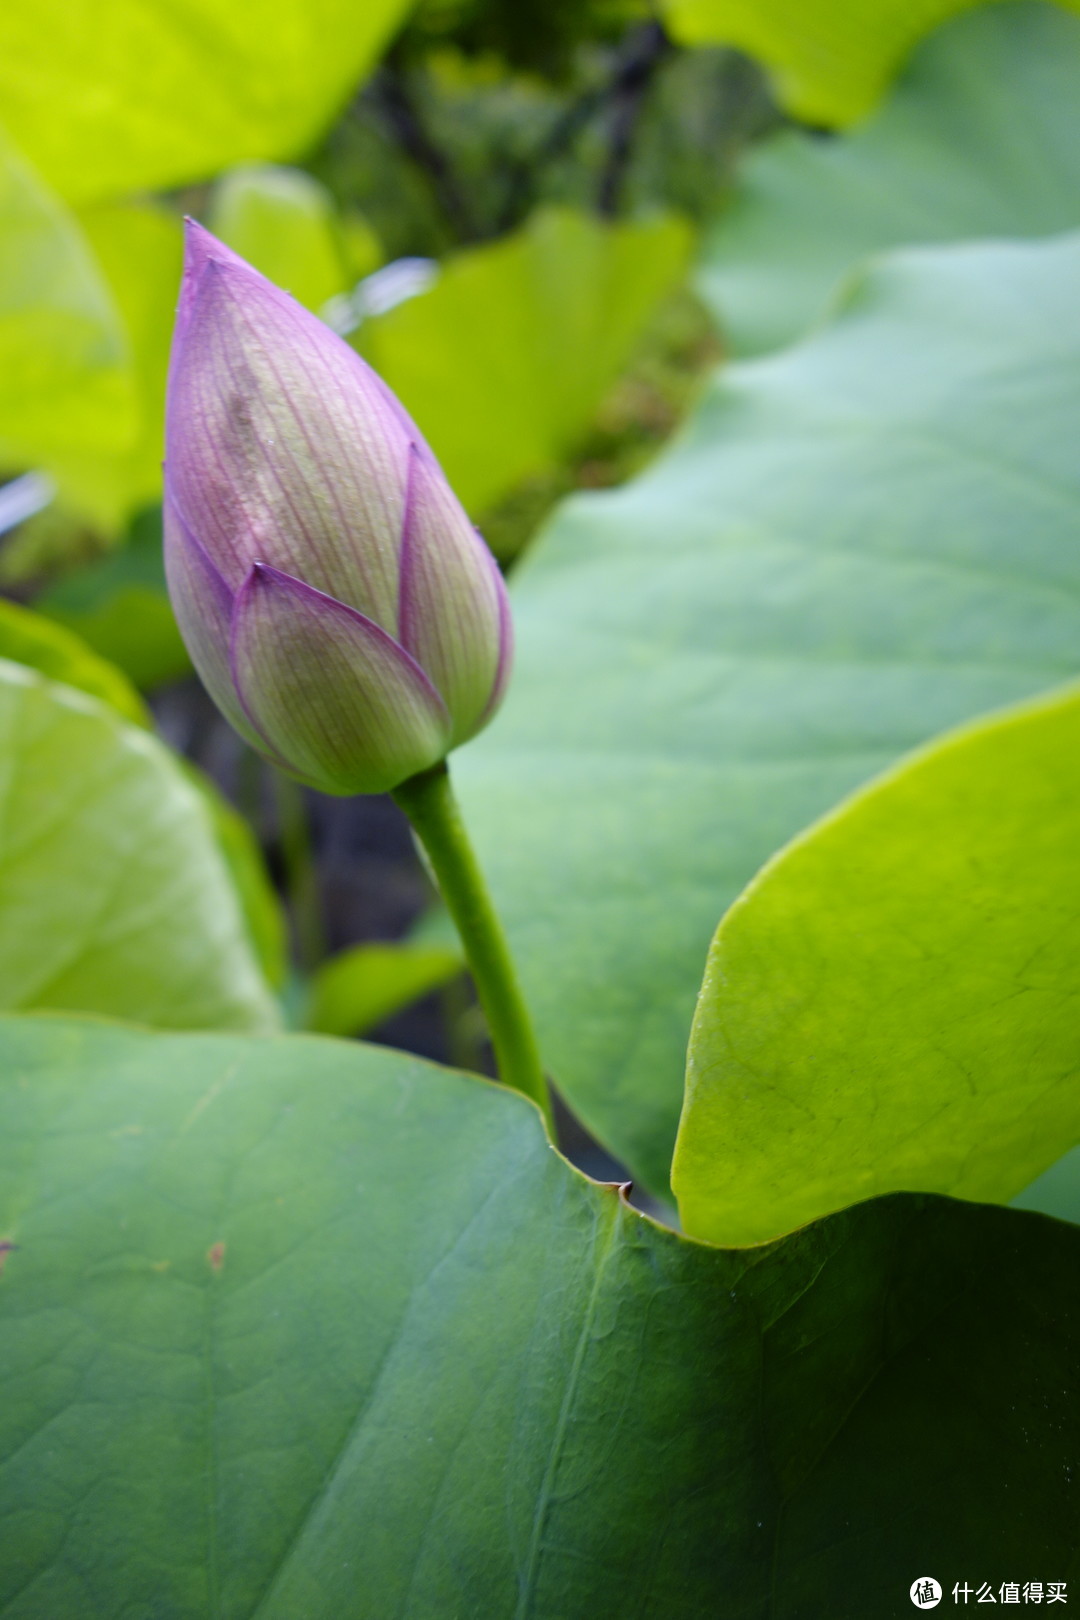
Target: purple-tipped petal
x=203 y=605
x=506 y=639
x=334 y=694
x=199 y=247
x=283 y=446
x=454 y=615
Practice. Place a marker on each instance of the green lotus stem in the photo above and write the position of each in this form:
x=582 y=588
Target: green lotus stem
x=428 y=801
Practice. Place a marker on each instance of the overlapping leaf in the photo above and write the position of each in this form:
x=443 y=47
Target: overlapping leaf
x=892 y=1004
x=112 y=99
x=1057 y=1191
x=138 y=248
x=68 y=386
x=32 y=639
x=36 y=642
x=506 y=358
x=296 y=1328
x=114 y=896
x=852 y=546
x=360 y=988
x=119 y=605
x=86 y=312
x=980 y=137
x=831 y=61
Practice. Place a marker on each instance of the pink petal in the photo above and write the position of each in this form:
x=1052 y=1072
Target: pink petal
x=336 y=696
x=455 y=618
x=203 y=605
x=283 y=445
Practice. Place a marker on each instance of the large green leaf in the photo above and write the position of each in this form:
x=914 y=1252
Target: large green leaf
x=114 y=896
x=64 y=358
x=504 y=361
x=891 y=1005
x=851 y=547
x=35 y=641
x=297 y=1328
x=981 y=137
x=832 y=60
x=131 y=95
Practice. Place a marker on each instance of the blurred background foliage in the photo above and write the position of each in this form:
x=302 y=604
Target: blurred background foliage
x=543 y=221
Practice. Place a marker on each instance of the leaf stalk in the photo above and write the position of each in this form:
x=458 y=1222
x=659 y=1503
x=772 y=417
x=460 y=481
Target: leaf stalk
x=428 y=801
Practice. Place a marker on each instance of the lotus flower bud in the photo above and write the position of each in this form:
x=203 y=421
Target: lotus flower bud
x=343 y=613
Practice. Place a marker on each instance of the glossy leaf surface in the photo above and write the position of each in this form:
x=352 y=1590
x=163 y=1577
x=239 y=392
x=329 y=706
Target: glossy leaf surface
x=851 y=547
x=831 y=61
x=303 y=1328
x=944 y=159
x=505 y=359
x=114 y=896
x=134 y=95
x=891 y=1004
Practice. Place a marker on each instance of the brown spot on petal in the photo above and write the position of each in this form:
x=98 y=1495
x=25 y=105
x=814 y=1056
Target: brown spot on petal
x=216 y=1256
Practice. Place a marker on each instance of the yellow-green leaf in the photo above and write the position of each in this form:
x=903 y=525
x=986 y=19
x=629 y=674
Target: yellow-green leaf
x=114 y=895
x=892 y=1004
x=138 y=248
x=129 y=95
x=504 y=361
x=120 y=607
x=360 y=988
x=831 y=60
x=39 y=643
x=848 y=548
x=65 y=361
x=42 y=644
x=282 y=221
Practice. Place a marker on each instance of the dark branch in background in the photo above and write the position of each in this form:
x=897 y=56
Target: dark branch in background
x=395 y=102
x=636 y=61
x=558 y=140
x=642 y=53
